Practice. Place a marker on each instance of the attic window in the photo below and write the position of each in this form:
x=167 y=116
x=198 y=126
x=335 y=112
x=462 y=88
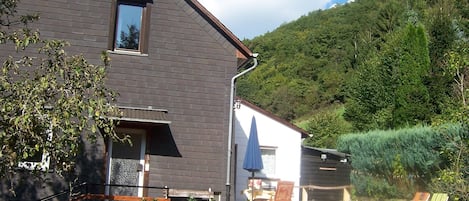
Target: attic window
x=129 y=27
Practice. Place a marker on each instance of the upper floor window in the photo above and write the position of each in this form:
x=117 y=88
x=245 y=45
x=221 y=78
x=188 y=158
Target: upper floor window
x=129 y=27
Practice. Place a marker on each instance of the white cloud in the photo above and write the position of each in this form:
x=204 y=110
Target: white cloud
x=248 y=18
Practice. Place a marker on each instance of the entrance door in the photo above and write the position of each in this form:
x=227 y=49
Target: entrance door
x=126 y=164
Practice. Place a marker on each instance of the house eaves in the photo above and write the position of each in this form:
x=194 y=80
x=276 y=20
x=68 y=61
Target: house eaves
x=304 y=134
x=143 y=115
x=328 y=151
x=243 y=51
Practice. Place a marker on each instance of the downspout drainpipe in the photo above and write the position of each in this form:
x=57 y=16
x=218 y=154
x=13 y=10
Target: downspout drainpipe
x=230 y=125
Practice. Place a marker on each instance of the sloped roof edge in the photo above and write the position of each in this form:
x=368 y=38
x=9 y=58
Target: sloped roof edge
x=304 y=134
x=329 y=151
x=243 y=49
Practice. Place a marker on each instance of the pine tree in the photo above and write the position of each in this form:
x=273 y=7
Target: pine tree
x=130 y=39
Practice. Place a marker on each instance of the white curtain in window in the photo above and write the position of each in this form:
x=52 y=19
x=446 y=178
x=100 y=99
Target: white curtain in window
x=268 y=159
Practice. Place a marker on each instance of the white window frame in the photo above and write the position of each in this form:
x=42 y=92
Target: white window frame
x=44 y=164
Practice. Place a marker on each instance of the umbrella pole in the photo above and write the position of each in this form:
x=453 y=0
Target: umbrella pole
x=252 y=186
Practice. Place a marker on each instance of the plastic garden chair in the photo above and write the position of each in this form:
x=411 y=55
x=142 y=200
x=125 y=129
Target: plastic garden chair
x=421 y=196
x=440 y=197
x=284 y=191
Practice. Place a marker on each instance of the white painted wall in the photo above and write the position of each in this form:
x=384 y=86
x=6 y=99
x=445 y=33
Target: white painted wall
x=271 y=133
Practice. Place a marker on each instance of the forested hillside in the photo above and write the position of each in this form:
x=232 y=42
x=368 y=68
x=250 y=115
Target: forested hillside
x=365 y=65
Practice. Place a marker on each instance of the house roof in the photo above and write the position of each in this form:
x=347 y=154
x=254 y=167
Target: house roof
x=304 y=133
x=328 y=151
x=242 y=49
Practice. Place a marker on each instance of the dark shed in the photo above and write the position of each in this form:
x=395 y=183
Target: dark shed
x=324 y=173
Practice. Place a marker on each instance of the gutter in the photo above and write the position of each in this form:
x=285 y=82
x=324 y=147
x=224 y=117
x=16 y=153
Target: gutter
x=230 y=124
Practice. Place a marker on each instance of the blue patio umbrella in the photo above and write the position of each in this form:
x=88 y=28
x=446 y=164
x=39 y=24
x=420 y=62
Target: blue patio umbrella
x=252 y=158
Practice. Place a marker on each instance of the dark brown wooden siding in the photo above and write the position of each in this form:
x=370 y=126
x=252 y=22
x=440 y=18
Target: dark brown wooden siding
x=311 y=174
x=187 y=72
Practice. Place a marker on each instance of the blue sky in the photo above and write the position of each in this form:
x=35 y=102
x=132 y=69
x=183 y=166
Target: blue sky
x=248 y=18
x=331 y=3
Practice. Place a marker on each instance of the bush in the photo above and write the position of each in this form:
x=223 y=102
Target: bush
x=326 y=128
x=369 y=186
x=404 y=160
x=453 y=178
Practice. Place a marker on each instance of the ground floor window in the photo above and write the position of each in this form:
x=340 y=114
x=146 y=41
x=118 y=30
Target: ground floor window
x=269 y=161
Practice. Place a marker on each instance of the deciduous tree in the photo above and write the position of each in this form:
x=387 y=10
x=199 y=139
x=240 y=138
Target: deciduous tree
x=49 y=100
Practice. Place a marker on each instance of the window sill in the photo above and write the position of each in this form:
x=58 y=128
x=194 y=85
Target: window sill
x=42 y=166
x=130 y=53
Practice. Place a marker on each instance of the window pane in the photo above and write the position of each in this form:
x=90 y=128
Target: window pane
x=37 y=157
x=268 y=160
x=33 y=155
x=128 y=27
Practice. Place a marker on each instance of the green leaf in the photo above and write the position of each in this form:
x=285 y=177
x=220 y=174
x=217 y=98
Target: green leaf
x=93 y=128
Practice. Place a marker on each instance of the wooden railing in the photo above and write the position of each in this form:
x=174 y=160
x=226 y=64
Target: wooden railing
x=84 y=192
x=118 y=198
x=88 y=192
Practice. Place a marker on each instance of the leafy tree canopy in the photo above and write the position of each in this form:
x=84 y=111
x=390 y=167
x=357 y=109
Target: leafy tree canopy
x=49 y=101
x=345 y=54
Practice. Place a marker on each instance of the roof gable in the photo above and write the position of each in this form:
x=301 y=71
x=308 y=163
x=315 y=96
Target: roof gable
x=243 y=51
x=304 y=133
